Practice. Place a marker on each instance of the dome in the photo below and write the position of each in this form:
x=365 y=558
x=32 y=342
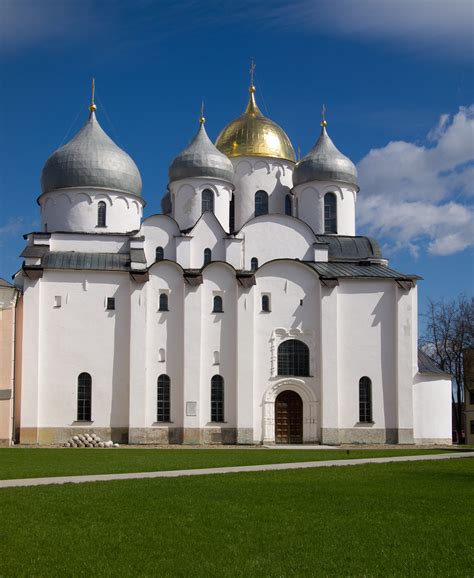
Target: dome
x=91 y=159
x=253 y=134
x=201 y=159
x=325 y=162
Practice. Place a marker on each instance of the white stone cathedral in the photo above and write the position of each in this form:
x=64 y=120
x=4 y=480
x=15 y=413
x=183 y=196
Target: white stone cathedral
x=248 y=312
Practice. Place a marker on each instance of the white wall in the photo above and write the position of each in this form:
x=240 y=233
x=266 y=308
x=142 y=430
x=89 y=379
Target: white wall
x=164 y=330
x=187 y=200
x=310 y=205
x=76 y=210
x=274 y=176
x=290 y=239
x=287 y=284
x=367 y=347
x=432 y=409
x=159 y=231
x=82 y=336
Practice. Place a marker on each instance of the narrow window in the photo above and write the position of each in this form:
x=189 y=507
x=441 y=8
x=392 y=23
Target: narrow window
x=254 y=263
x=293 y=358
x=110 y=303
x=330 y=213
x=266 y=303
x=217 y=398
x=101 y=214
x=217 y=304
x=57 y=301
x=365 y=400
x=288 y=205
x=159 y=254
x=472 y=426
x=163 y=399
x=163 y=305
x=162 y=355
x=207 y=202
x=207 y=256
x=471 y=396
x=232 y=213
x=84 y=397
x=261 y=203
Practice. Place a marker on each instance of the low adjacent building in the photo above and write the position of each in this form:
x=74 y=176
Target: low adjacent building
x=8 y=300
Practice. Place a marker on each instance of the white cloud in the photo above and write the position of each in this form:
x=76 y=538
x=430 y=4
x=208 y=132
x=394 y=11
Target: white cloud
x=421 y=197
x=25 y=23
x=440 y=26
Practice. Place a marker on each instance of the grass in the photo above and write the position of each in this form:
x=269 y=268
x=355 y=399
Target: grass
x=36 y=462
x=404 y=519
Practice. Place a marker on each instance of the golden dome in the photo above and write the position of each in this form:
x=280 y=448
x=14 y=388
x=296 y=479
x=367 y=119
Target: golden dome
x=253 y=134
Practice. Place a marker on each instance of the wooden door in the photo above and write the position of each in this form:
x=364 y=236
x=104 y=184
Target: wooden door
x=288 y=418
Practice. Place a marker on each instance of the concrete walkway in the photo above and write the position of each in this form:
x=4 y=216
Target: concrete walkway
x=227 y=470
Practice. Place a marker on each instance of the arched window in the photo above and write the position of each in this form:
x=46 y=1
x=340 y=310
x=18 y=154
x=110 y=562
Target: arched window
x=266 y=303
x=217 y=304
x=101 y=214
x=163 y=302
x=207 y=256
x=261 y=203
x=163 y=398
x=207 y=203
x=232 y=213
x=254 y=263
x=217 y=398
x=160 y=254
x=365 y=400
x=330 y=213
x=288 y=205
x=293 y=358
x=84 y=397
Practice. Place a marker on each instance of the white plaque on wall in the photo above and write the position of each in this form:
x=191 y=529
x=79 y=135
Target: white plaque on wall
x=191 y=408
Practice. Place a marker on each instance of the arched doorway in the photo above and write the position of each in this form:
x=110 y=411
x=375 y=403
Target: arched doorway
x=288 y=418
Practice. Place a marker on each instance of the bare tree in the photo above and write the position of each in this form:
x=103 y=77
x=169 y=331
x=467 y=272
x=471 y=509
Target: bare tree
x=449 y=332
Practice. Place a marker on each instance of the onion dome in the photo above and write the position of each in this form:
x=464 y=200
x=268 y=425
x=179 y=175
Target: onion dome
x=201 y=159
x=325 y=162
x=91 y=160
x=253 y=134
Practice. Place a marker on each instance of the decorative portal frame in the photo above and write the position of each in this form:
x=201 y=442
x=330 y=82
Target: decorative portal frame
x=310 y=409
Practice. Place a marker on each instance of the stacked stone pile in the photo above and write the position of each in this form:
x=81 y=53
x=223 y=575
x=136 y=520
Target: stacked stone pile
x=89 y=440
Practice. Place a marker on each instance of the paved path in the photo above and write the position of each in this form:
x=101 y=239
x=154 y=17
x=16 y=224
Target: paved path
x=227 y=470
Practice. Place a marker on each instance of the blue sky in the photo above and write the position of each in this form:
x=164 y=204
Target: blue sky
x=396 y=77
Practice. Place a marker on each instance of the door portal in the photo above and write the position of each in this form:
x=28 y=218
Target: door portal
x=288 y=418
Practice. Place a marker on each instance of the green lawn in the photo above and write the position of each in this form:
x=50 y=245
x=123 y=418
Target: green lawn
x=405 y=519
x=33 y=463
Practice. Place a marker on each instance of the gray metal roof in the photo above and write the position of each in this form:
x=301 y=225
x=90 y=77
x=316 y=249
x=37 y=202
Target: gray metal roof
x=91 y=159
x=345 y=248
x=358 y=271
x=325 y=162
x=93 y=261
x=137 y=255
x=34 y=251
x=427 y=365
x=201 y=159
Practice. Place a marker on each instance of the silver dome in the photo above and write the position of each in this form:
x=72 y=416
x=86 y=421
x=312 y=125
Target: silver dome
x=91 y=159
x=325 y=162
x=201 y=159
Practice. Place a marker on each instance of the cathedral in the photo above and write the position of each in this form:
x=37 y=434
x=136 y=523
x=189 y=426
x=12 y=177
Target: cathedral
x=248 y=312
